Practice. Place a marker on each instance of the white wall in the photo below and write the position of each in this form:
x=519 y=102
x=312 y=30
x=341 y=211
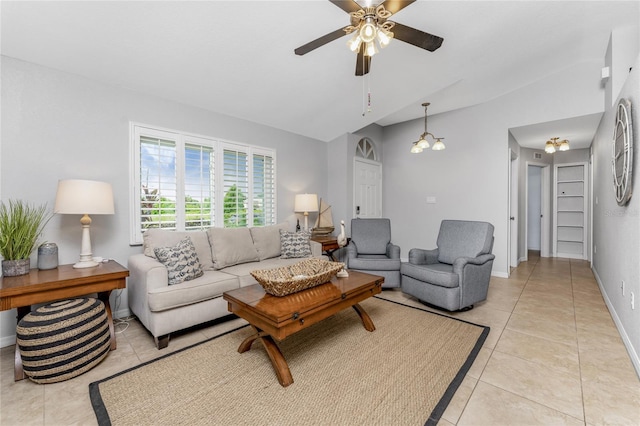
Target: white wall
x=470 y=178
x=616 y=229
x=57 y=125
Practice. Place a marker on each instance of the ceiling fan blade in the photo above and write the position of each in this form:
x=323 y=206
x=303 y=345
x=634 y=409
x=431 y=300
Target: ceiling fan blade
x=394 y=6
x=418 y=38
x=348 y=6
x=320 y=42
x=363 y=63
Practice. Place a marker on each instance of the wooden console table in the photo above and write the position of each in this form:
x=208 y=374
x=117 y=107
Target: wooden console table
x=63 y=282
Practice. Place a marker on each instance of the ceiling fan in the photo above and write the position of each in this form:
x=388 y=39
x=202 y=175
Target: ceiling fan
x=369 y=24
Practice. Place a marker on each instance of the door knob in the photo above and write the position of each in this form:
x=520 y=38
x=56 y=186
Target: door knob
x=512 y=218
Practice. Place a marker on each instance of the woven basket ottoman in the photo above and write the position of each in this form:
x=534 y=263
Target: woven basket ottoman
x=63 y=339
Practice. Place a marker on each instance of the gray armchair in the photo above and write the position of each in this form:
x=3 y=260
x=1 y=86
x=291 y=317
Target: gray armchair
x=455 y=275
x=370 y=250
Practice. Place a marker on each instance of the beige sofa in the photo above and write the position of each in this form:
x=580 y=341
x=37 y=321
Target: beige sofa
x=227 y=256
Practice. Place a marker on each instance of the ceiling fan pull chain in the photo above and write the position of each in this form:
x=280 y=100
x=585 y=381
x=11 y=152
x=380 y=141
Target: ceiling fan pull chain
x=364 y=109
x=368 y=95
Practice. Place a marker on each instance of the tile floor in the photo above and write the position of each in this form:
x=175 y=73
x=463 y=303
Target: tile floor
x=553 y=357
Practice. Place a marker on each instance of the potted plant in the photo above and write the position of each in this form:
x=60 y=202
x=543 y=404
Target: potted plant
x=21 y=225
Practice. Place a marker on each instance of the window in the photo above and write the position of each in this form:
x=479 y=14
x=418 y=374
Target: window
x=366 y=149
x=186 y=182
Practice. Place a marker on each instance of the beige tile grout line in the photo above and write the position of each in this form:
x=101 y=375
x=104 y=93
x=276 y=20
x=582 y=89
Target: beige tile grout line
x=575 y=320
x=493 y=349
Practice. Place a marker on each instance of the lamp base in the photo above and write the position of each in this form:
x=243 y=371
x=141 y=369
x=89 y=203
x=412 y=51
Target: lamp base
x=85 y=264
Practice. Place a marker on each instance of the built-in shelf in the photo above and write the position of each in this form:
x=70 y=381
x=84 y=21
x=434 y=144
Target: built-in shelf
x=569 y=211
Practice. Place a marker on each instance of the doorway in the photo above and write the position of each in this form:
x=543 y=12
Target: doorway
x=538 y=213
x=534 y=207
x=367 y=189
x=514 y=167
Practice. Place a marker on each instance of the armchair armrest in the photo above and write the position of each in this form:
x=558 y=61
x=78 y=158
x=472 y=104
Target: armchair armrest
x=423 y=257
x=352 y=250
x=461 y=262
x=474 y=274
x=393 y=251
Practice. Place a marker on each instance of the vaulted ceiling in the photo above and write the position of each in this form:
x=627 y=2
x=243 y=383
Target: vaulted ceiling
x=236 y=57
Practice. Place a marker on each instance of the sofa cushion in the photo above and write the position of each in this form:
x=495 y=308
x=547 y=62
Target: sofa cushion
x=462 y=238
x=164 y=238
x=440 y=274
x=180 y=260
x=210 y=285
x=372 y=263
x=294 y=244
x=266 y=239
x=231 y=246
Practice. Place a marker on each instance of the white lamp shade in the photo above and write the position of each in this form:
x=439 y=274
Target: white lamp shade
x=76 y=196
x=306 y=203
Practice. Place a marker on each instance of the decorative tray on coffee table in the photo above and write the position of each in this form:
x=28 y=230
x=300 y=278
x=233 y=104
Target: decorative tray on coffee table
x=297 y=277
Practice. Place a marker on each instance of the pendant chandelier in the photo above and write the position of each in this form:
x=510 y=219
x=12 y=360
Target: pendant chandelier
x=552 y=145
x=422 y=143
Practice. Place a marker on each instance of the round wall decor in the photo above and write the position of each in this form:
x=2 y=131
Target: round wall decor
x=622 y=153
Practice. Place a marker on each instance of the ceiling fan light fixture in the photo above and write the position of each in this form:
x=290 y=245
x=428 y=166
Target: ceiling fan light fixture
x=368 y=30
x=355 y=42
x=384 y=37
x=370 y=49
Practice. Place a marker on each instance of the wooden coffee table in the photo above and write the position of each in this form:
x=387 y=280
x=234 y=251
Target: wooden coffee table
x=275 y=318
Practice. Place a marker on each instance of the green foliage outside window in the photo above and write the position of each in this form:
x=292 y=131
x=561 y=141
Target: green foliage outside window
x=235 y=212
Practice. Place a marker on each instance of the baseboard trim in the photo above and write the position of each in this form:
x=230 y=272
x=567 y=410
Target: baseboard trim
x=122 y=313
x=499 y=274
x=635 y=359
x=7 y=341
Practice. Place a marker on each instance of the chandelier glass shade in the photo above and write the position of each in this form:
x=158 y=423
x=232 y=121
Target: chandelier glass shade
x=371 y=26
x=422 y=143
x=554 y=145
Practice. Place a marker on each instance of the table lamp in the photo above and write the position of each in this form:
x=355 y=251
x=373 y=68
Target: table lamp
x=306 y=203
x=84 y=197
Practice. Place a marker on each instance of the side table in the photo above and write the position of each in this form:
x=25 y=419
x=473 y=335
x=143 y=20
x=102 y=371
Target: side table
x=329 y=244
x=62 y=282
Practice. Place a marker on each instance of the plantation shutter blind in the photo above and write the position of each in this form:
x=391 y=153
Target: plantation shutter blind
x=264 y=190
x=158 y=183
x=235 y=187
x=199 y=204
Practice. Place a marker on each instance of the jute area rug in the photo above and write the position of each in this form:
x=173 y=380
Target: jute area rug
x=403 y=373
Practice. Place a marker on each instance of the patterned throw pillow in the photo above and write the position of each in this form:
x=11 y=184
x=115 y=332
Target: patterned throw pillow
x=181 y=261
x=294 y=244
